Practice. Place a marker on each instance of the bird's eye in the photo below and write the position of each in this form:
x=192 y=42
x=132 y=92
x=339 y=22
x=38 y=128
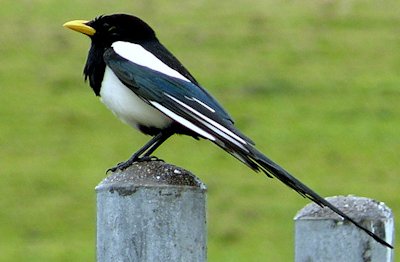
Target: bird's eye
x=112 y=28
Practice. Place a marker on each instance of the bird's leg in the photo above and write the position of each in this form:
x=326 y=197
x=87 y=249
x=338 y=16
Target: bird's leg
x=146 y=150
x=147 y=155
x=162 y=139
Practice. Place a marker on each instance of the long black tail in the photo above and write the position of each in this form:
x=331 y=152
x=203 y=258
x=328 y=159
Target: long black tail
x=273 y=169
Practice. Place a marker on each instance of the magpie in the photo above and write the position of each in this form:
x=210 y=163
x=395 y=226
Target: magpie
x=147 y=87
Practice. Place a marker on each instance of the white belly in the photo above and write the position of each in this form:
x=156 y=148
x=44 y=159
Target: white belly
x=127 y=106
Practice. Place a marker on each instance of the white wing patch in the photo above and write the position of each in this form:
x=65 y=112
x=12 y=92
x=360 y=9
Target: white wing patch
x=201 y=103
x=138 y=55
x=182 y=121
x=216 y=127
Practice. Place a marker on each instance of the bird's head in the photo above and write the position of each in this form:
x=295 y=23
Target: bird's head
x=107 y=29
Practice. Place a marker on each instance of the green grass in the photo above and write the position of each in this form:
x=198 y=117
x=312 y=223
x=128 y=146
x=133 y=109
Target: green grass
x=314 y=83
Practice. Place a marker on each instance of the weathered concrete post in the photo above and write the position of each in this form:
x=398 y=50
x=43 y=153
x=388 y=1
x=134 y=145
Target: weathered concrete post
x=150 y=212
x=322 y=235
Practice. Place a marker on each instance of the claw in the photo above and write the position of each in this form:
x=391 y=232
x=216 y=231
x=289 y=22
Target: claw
x=120 y=166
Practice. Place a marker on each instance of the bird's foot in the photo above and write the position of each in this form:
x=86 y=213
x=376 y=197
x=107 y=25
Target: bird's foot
x=120 y=166
x=123 y=165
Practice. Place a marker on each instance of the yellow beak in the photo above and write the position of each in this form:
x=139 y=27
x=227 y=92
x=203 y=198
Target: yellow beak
x=80 y=26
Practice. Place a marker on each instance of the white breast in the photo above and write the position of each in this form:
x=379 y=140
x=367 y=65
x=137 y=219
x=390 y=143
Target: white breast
x=127 y=106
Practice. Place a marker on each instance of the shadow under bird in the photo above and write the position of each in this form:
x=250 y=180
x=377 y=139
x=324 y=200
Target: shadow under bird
x=146 y=86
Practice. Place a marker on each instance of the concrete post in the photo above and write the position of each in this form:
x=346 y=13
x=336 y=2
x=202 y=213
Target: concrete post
x=321 y=235
x=150 y=212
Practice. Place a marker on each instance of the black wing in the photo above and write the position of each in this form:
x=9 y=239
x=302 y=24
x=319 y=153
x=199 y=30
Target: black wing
x=183 y=101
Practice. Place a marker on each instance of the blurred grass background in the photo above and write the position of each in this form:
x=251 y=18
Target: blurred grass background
x=314 y=83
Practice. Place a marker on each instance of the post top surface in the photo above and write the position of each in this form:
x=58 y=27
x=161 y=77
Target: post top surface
x=150 y=174
x=353 y=206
